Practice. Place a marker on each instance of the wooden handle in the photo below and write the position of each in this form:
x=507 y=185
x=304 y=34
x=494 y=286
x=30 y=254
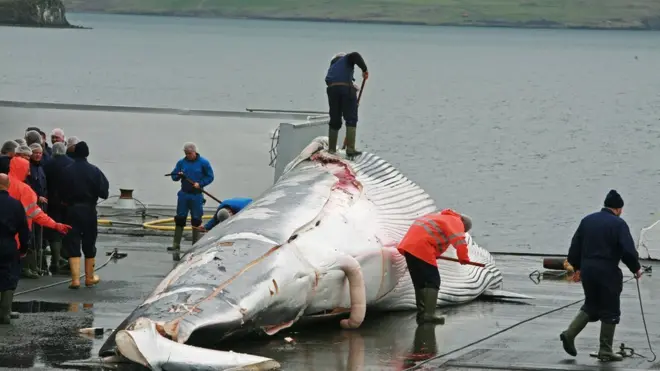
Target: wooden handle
x=457 y=261
x=361 y=90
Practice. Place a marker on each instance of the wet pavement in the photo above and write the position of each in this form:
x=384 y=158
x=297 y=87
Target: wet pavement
x=46 y=334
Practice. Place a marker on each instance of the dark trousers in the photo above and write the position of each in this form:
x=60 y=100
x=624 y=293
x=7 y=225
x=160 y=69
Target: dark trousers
x=602 y=291
x=84 y=229
x=423 y=274
x=342 y=101
x=10 y=264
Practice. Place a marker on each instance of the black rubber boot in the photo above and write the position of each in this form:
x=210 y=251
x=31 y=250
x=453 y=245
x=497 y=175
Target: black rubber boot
x=430 y=298
x=196 y=235
x=332 y=140
x=6 y=298
x=605 y=352
x=178 y=234
x=351 y=133
x=568 y=337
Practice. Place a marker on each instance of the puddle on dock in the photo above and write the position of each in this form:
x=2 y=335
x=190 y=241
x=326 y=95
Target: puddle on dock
x=34 y=306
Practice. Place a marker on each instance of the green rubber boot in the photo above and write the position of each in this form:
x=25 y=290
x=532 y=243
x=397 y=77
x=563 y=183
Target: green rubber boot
x=419 y=302
x=55 y=255
x=351 y=133
x=605 y=352
x=6 y=298
x=196 y=235
x=27 y=271
x=332 y=140
x=178 y=234
x=568 y=337
x=430 y=300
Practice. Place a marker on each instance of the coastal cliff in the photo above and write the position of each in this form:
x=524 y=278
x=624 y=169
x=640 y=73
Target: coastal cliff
x=36 y=13
x=567 y=14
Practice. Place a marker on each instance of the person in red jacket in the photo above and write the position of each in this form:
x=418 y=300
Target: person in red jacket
x=426 y=240
x=19 y=169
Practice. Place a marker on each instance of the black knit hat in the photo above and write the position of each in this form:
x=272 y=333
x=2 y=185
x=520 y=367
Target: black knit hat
x=81 y=150
x=613 y=200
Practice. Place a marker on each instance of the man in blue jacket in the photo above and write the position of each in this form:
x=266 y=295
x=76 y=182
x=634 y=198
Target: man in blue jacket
x=342 y=98
x=601 y=240
x=195 y=173
x=225 y=210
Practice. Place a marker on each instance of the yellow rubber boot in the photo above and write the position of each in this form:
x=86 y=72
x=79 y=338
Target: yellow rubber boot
x=74 y=265
x=91 y=279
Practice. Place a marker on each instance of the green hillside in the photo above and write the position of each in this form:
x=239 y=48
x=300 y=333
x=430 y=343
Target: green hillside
x=629 y=14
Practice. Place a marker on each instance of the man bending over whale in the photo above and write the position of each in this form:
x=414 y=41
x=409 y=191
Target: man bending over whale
x=426 y=240
x=226 y=209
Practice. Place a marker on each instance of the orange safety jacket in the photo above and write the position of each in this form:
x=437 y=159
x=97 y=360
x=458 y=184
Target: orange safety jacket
x=19 y=169
x=430 y=236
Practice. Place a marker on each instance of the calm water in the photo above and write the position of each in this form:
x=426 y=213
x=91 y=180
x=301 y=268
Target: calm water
x=524 y=130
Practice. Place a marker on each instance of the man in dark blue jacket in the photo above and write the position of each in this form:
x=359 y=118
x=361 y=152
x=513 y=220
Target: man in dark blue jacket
x=13 y=221
x=82 y=185
x=600 y=242
x=342 y=98
x=53 y=170
x=226 y=209
x=195 y=173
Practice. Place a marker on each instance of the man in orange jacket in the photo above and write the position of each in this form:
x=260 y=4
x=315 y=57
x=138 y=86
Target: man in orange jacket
x=426 y=240
x=19 y=169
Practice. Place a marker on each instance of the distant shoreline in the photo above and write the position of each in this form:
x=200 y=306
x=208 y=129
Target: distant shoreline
x=538 y=24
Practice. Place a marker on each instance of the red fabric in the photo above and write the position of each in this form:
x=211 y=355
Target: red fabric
x=19 y=168
x=430 y=236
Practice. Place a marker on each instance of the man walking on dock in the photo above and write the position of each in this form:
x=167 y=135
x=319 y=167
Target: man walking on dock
x=601 y=240
x=342 y=98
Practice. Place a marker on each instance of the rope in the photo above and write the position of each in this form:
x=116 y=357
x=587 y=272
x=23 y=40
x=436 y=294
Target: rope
x=641 y=308
x=415 y=367
x=113 y=256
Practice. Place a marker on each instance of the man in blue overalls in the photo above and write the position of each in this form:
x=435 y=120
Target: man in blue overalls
x=342 y=98
x=225 y=210
x=601 y=241
x=195 y=173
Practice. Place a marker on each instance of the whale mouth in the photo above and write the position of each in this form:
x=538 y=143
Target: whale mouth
x=145 y=345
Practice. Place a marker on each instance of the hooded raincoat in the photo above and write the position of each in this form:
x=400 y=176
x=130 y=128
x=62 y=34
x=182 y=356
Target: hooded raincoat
x=19 y=169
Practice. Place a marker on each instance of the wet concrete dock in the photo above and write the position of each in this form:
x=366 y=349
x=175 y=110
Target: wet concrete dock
x=47 y=332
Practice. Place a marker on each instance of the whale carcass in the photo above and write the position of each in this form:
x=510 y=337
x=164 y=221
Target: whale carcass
x=321 y=240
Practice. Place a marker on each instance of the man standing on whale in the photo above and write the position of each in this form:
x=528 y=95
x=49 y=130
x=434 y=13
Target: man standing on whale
x=342 y=98
x=426 y=240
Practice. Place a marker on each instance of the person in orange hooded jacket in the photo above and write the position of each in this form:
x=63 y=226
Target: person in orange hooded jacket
x=19 y=169
x=426 y=240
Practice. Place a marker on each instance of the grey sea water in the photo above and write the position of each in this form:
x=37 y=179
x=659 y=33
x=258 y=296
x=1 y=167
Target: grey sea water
x=525 y=130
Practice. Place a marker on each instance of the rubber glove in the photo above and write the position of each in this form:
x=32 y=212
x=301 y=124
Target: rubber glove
x=464 y=261
x=577 y=276
x=62 y=228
